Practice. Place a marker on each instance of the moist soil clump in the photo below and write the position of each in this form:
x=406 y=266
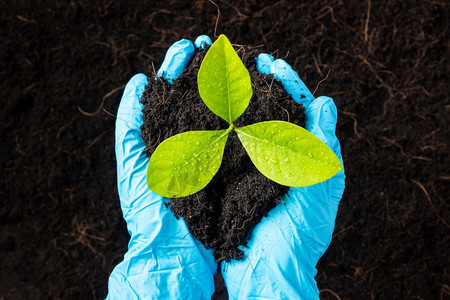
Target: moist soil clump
x=223 y=214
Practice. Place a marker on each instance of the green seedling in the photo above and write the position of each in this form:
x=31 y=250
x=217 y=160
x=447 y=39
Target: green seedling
x=285 y=153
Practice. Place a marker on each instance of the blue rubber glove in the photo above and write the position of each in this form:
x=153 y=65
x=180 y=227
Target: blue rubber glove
x=163 y=260
x=280 y=259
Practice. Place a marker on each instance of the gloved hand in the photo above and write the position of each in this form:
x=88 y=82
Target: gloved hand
x=163 y=260
x=279 y=261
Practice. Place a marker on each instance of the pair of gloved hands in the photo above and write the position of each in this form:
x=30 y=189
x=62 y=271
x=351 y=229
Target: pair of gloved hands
x=165 y=262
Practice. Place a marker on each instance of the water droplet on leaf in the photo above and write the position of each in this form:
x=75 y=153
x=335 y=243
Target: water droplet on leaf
x=274 y=160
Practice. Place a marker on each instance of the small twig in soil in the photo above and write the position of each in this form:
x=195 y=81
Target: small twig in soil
x=248 y=180
x=275 y=52
x=164 y=94
x=249 y=219
x=240 y=47
x=418 y=157
x=396 y=144
x=217 y=19
x=385 y=105
x=158 y=140
x=329 y=10
x=322 y=80
x=64 y=127
x=148 y=56
x=445 y=289
x=26 y=20
x=287 y=54
x=316 y=63
x=107 y=112
x=331 y=292
x=271 y=83
x=270 y=182
x=366 y=25
x=355 y=122
x=386 y=202
x=88 y=114
x=261 y=33
x=154 y=71
x=414 y=88
x=375 y=73
x=92 y=284
x=112 y=46
x=342 y=231
x=80 y=234
x=18 y=148
x=184 y=95
x=429 y=200
x=287 y=118
x=202 y=205
x=239 y=14
x=97 y=139
x=268 y=86
x=258 y=46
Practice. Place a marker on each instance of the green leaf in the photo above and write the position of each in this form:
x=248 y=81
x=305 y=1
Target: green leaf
x=185 y=163
x=223 y=81
x=288 y=154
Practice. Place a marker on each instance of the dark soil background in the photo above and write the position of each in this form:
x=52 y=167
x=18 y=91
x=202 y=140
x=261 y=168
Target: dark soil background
x=63 y=66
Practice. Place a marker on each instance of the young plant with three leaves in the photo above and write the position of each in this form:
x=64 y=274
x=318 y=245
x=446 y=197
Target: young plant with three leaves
x=285 y=153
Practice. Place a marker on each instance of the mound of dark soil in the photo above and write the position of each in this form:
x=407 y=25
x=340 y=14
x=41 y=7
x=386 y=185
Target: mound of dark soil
x=223 y=214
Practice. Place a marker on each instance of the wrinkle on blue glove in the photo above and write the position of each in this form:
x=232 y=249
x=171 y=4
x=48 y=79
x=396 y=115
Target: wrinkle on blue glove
x=283 y=72
x=163 y=261
x=129 y=143
x=285 y=247
x=281 y=255
x=321 y=121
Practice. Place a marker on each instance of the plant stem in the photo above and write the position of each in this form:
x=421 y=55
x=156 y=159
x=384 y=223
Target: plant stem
x=231 y=128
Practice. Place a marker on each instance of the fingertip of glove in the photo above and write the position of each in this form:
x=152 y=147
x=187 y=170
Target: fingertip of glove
x=201 y=40
x=283 y=71
x=177 y=58
x=132 y=94
x=137 y=80
x=263 y=63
